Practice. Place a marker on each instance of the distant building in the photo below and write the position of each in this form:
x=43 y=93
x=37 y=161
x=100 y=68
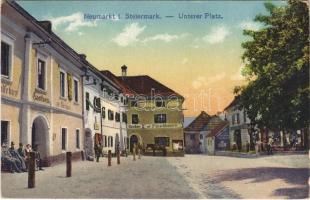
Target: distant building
x=197 y=131
x=154 y=112
x=103 y=113
x=239 y=125
x=218 y=139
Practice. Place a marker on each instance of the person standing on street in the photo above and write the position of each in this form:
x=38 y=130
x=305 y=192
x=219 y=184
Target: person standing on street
x=97 y=152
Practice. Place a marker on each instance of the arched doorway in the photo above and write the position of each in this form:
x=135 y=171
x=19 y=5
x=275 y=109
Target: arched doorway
x=133 y=140
x=88 y=142
x=39 y=136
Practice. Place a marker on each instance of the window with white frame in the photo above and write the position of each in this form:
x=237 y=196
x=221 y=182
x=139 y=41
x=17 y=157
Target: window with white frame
x=63 y=138
x=76 y=90
x=62 y=84
x=41 y=74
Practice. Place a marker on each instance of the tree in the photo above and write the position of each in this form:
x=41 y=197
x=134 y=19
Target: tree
x=277 y=68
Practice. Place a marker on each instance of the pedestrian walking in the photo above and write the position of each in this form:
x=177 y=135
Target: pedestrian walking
x=97 y=151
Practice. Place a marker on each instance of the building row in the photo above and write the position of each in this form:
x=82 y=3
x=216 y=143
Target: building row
x=232 y=130
x=53 y=97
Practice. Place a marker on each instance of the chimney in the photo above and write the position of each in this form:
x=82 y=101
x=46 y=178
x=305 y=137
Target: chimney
x=124 y=71
x=47 y=25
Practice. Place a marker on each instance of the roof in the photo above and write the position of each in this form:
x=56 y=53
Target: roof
x=199 y=123
x=124 y=88
x=144 y=85
x=218 y=129
x=233 y=102
x=45 y=28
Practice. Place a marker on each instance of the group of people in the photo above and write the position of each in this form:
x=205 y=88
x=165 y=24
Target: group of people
x=16 y=160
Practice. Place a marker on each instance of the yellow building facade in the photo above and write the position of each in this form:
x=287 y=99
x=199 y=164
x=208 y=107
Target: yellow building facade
x=149 y=124
x=41 y=87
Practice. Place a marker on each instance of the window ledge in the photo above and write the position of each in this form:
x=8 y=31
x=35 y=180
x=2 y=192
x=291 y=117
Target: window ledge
x=6 y=80
x=41 y=91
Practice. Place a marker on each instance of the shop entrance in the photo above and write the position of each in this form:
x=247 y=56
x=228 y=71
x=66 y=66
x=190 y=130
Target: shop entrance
x=237 y=137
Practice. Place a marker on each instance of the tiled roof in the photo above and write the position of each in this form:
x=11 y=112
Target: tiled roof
x=125 y=89
x=199 y=123
x=144 y=85
x=218 y=129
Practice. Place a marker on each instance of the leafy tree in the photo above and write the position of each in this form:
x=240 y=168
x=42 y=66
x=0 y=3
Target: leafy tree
x=277 y=68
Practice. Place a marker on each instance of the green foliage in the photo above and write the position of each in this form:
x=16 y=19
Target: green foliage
x=277 y=66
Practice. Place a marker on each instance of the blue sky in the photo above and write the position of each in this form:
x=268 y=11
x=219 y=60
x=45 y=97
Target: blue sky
x=189 y=56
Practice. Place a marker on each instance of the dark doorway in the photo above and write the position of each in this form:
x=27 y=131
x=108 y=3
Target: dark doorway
x=237 y=136
x=133 y=140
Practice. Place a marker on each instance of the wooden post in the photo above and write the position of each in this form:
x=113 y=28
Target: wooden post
x=118 y=158
x=69 y=163
x=83 y=156
x=109 y=157
x=31 y=170
x=134 y=153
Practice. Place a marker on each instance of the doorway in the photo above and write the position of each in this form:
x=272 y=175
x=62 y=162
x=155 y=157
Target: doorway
x=133 y=140
x=39 y=135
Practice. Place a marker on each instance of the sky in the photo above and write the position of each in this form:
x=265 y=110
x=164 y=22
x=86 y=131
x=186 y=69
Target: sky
x=198 y=58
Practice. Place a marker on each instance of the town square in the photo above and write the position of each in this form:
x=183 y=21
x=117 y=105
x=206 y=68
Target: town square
x=155 y=99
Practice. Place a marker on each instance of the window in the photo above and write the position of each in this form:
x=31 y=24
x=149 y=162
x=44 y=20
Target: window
x=41 y=74
x=4 y=131
x=160 y=118
x=76 y=90
x=162 y=141
x=160 y=103
x=62 y=84
x=77 y=138
x=111 y=141
x=97 y=104
x=124 y=117
x=117 y=117
x=233 y=119
x=244 y=116
x=134 y=104
x=122 y=100
x=110 y=115
x=238 y=118
x=103 y=112
x=105 y=141
x=5 y=59
x=192 y=137
x=134 y=119
x=201 y=137
x=63 y=138
x=87 y=100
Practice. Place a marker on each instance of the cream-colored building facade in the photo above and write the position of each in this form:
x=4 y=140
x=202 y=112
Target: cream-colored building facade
x=41 y=86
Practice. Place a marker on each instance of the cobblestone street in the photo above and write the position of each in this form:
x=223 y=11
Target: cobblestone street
x=192 y=176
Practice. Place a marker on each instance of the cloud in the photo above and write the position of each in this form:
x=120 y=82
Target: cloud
x=164 y=37
x=129 y=34
x=72 y=22
x=249 y=25
x=217 y=35
x=202 y=81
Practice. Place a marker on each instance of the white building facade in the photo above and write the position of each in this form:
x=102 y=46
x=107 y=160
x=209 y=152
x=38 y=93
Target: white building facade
x=104 y=113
